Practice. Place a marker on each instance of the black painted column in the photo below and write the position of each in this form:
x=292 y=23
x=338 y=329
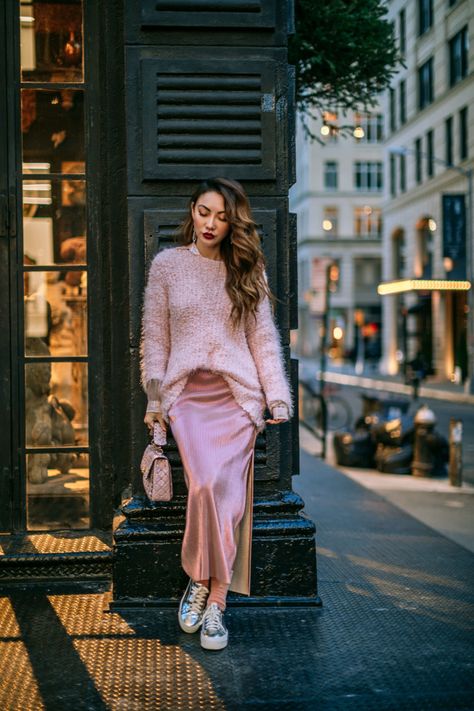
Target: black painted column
x=210 y=93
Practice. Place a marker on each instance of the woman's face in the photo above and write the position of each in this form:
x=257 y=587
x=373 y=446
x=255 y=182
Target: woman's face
x=210 y=221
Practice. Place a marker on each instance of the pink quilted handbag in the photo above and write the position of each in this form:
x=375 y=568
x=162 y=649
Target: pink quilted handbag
x=156 y=469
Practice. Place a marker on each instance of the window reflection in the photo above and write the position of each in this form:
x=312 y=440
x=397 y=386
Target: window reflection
x=52 y=124
x=54 y=223
x=54 y=235
x=58 y=491
x=55 y=400
x=56 y=312
x=51 y=40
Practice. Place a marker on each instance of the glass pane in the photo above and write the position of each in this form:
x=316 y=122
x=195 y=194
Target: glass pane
x=51 y=40
x=56 y=401
x=55 y=313
x=54 y=223
x=52 y=126
x=57 y=491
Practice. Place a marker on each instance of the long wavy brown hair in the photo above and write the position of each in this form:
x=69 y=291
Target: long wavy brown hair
x=240 y=249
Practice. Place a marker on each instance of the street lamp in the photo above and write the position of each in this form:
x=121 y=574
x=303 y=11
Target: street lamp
x=468 y=173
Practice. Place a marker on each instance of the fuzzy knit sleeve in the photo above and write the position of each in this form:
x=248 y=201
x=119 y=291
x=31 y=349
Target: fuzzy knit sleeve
x=265 y=346
x=155 y=331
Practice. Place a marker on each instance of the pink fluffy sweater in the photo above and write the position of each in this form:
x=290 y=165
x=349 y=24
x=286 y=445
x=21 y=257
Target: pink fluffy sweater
x=186 y=327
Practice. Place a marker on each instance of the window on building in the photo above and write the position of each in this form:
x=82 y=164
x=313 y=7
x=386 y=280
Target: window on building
x=368 y=175
x=448 y=135
x=372 y=125
x=458 y=56
x=330 y=221
x=402 y=32
x=425 y=15
x=393 y=122
x=368 y=222
x=303 y=275
x=367 y=272
x=403 y=173
x=425 y=84
x=393 y=176
x=330 y=175
x=55 y=162
x=418 y=161
x=399 y=254
x=429 y=154
x=319 y=265
x=463 y=134
x=424 y=250
x=403 y=101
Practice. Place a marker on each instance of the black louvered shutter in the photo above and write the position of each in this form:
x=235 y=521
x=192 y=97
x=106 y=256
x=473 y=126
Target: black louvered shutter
x=213 y=119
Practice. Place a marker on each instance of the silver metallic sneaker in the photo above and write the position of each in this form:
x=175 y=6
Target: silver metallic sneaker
x=192 y=606
x=214 y=634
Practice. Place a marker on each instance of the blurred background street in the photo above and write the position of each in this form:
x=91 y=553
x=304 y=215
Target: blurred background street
x=447 y=401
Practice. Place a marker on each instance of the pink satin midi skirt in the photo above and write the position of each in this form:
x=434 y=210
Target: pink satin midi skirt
x=216 y=440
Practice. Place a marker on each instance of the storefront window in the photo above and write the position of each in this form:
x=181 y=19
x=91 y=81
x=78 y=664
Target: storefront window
x=51 y=41
x=52 y=125
x=55 y=268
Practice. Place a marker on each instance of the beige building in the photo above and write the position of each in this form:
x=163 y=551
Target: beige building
x=337 y=198
x=429 y=125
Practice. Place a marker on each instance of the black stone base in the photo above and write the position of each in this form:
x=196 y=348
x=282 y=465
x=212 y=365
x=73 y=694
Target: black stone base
x=147 y=555
x=72 y=566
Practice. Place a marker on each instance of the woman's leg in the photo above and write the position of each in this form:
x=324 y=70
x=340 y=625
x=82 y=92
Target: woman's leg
x=218 y=593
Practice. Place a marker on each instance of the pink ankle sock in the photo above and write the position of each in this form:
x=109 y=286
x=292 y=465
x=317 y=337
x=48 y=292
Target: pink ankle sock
x=218 y=593
x=204 y=582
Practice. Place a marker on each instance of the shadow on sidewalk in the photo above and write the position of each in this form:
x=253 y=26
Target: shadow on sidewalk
x=395 y=631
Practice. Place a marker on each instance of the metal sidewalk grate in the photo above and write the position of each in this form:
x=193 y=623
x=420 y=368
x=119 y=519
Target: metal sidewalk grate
x=394 y=634
x=55 y=542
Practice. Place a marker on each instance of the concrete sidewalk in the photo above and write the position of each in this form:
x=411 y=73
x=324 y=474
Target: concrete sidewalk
x=394 y=633
x=447 y=509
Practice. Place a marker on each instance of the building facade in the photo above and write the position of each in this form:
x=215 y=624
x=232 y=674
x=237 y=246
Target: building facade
x=337 y=198
x=429 y=148
x=115 y=112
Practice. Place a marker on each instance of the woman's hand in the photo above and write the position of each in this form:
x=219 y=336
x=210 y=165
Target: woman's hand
x=152 y=417
x=279 y=412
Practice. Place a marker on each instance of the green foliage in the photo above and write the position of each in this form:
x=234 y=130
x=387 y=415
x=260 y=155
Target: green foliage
x=344 y=53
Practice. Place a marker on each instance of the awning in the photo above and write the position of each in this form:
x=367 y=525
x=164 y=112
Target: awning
x=400 y=286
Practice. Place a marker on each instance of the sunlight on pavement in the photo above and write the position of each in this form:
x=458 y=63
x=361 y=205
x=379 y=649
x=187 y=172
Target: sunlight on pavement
x=18 y=687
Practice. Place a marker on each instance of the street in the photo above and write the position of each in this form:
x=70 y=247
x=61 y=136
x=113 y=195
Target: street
x=443 y=409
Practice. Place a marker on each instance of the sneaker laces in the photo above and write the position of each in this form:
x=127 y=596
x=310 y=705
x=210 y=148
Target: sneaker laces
x=213 y=618
x=198 y=597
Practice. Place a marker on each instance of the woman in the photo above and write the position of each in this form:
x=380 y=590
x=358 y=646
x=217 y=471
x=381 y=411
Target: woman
x=211 y=361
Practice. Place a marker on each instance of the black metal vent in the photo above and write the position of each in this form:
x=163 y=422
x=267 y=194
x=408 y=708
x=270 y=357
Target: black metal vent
x=215 y=118
x=208 y=13
x=212 y=118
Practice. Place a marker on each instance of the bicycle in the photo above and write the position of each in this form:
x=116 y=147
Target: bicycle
x=311 y=409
